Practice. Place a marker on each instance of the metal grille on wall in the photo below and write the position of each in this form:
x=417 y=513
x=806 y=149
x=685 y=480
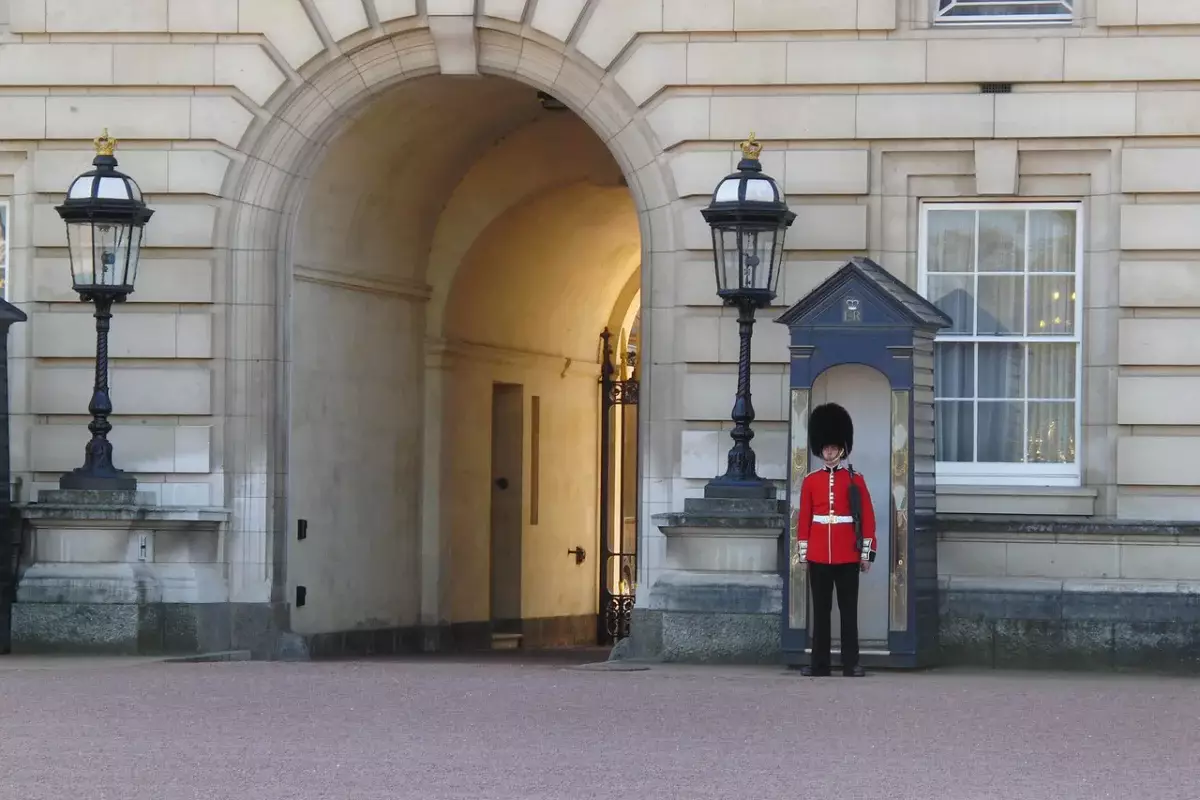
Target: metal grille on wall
x=618 y=486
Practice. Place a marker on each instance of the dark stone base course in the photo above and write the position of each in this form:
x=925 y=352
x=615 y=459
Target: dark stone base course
x=702 y=637
x=1098 y=631
x=574 y=631
x=260 y=628
x=1009 y=629
x=1095 y=631
x=148 y=629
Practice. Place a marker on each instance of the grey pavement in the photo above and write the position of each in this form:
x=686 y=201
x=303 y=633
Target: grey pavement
x=493 y=726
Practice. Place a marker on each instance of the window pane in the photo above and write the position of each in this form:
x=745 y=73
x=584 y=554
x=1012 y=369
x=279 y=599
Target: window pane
x=1052 y=241
x=1002 y=241
x=955 y=431
x=1001 y=305
x=953 y=294
x=954 y=369
x=951 y=241
x=1002 y=432
x=1051 y=433
x=1001 y=371
x=973 y=9
x=1052 y=305
x=1052 y=371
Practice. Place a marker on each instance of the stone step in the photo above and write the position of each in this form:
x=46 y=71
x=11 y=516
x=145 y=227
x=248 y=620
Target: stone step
x=506 y=641
x=202 y=658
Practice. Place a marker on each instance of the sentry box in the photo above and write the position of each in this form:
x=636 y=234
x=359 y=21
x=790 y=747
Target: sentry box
x=864 y=340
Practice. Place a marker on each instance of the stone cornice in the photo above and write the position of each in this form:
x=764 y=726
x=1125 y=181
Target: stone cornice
x=449 y=351
x=414 y=290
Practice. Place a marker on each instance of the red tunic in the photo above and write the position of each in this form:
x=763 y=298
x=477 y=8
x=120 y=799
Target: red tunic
x=824 y=520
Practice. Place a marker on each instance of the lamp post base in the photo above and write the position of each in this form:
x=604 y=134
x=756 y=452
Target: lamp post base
x=732 y=489
x=95 y=481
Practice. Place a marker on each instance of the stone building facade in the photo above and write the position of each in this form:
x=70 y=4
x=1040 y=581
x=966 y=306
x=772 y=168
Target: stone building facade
x=360 y=366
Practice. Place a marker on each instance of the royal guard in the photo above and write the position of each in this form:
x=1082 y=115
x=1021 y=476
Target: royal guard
x=835 y=530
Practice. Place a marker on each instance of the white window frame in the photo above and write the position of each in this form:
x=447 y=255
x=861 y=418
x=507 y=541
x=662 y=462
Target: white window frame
x=6 y=240
x=946 y=16
x=1003 y=474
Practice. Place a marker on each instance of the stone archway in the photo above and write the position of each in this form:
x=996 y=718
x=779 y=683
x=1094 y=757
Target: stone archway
x=269 y=249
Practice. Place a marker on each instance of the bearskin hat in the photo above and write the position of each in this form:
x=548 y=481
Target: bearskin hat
x=830 y=424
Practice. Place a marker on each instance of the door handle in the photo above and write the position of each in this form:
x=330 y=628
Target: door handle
x=502 y=483
x=579 y=553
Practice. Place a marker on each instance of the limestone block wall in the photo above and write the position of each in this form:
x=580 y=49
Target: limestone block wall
x=870 y=126
x=866 y=110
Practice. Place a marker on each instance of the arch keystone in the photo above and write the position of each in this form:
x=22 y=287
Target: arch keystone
x=450 y=8
x=456 y=45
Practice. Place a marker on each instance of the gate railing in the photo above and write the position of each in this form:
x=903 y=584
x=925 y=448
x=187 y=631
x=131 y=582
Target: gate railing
x=618 y=542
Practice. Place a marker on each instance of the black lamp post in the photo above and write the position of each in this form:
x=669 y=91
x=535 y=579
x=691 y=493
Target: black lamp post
x=105 y=216
x=749 y=220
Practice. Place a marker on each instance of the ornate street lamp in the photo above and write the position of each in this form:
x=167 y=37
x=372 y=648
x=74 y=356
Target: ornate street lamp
x=749 y=220
x=105 y=215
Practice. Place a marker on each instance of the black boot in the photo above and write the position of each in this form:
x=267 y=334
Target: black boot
x=854 y=672
x=809 y=672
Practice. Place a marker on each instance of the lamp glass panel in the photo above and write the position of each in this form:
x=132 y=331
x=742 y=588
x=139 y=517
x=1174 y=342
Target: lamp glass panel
x=779 y=236
x=725 y=255
x=134 y=254
x=107 y=255
x=758 y=259
x=114 y=265
x=761 y=190
x=727 y=192
x=108 y=188
x=81 y=189
x=79 y=249
x=101 y=253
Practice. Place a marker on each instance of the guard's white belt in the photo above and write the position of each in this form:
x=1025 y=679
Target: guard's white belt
x=831 y=520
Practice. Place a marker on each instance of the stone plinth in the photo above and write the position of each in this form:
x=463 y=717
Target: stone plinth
x=107 y=571
x=721 y=596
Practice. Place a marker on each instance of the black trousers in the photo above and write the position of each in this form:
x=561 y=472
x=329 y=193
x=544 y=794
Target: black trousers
x=823 y=579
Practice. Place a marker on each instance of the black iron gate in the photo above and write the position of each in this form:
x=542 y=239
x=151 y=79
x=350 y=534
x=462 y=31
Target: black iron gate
x=619 y=487
x=10 y=524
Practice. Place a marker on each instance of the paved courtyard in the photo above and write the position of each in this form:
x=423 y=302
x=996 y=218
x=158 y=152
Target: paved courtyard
x=502 y=727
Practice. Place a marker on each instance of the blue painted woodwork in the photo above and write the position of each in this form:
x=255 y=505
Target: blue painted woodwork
x=862 y=314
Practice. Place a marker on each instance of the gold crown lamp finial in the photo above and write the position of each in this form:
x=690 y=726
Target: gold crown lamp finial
x=104 y=145
x=751 y=148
